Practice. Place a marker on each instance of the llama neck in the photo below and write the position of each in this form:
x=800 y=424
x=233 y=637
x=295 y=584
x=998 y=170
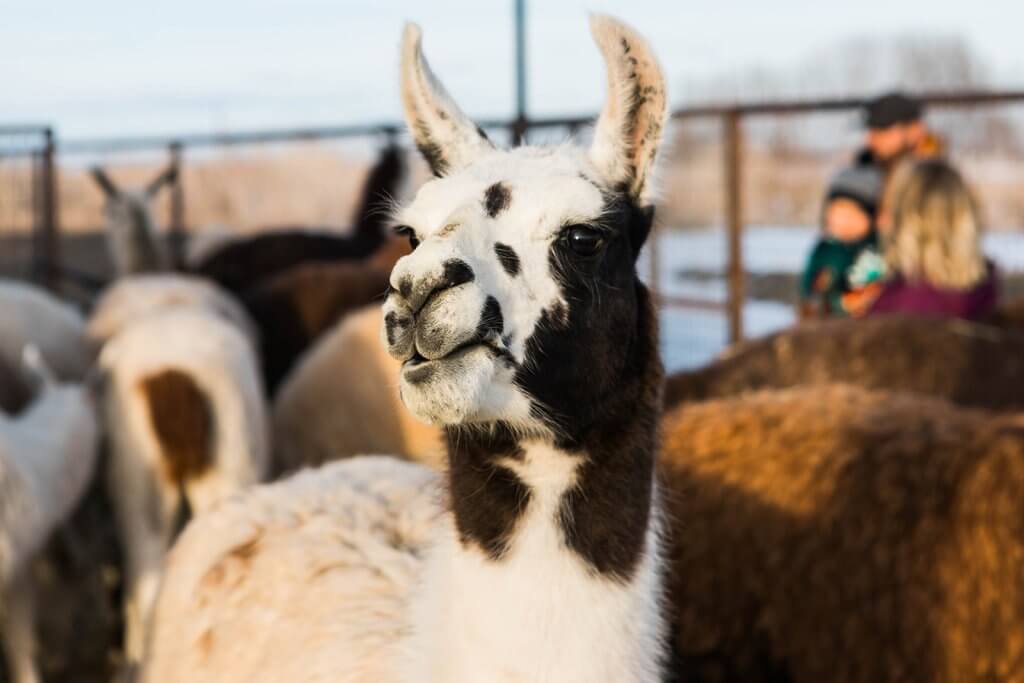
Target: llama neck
x=548 y=561
x=607 y=435
x=134 y=242
x=540 y=573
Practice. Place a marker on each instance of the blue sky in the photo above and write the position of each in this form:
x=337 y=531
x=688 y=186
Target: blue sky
x=130 y=66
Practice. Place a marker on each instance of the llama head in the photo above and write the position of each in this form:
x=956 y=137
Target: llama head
x=130 y=226
x=520 y=302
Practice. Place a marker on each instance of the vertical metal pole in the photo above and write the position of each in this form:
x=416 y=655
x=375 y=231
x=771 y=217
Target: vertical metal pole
x=519 y=128
x=177 y=218
x=46 y=247
x=34 y=265
x=734 y=221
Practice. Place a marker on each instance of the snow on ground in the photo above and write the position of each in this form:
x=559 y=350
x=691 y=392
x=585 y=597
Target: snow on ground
x=691 y=338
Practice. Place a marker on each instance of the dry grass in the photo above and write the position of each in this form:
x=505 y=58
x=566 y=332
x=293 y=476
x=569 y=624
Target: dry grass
x=305 y=185
x=314 y=185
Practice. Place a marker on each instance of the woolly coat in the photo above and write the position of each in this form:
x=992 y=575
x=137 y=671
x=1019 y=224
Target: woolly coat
x=834 y=534
x=321 y=564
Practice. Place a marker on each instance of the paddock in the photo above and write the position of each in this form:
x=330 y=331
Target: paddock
x=740 y=200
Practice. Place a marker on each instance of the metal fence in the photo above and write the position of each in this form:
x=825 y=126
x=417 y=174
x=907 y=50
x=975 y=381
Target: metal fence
x=28 y=168
x=732 y=122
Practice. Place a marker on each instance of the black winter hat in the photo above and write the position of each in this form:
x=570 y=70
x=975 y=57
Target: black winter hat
x=892 y=109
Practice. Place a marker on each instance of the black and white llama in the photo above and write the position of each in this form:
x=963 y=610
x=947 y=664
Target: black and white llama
x=522 y=329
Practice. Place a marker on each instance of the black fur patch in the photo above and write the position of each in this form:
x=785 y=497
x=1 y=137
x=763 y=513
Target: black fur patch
x=242 y=264
x=405 y=287
x=595 y=376
x=492 y=322
x=431 y=151
x=486 y=499
x=508 y=257
x=15 y=392
x=604 y=399
x=456 y=272
x=497 y=197
x=390 y=323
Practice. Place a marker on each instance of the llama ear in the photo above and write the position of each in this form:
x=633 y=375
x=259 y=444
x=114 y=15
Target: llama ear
x=168 y=175
x=104 y=181
x=446 y=137
x=628 y=132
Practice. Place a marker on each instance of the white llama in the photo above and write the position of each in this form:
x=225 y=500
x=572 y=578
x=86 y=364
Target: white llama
x=522 y=329
x=131 y=231
x=47 y=458
x=29 y=315
x=188 y=426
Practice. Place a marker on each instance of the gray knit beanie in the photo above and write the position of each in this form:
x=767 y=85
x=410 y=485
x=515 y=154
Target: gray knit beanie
x=860 y=184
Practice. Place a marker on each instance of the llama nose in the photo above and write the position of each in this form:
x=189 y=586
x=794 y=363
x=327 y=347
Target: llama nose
x=407 y=296
x=415 y=293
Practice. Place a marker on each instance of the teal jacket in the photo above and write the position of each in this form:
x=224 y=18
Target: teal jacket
x=827 y=275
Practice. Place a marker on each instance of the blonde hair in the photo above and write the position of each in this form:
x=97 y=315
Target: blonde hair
x=935 y=232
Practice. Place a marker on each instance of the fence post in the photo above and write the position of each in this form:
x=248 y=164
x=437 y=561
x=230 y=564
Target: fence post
x=520 y=125
x=46 y=247
x=177 y=218
x=734 y=221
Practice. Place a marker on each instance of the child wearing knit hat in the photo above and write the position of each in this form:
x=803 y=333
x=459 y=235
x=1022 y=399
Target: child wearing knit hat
x=845 y=265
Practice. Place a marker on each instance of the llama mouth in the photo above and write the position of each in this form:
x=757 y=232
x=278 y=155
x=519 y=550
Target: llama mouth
x=418 y=360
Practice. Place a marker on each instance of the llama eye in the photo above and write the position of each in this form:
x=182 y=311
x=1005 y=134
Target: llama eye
x=406 y=231
x=584 y=240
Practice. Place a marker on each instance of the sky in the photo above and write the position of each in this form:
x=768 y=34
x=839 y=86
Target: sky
x=117 y=67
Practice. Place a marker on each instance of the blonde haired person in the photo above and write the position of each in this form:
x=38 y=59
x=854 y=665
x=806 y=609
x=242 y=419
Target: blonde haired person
x=932 y=248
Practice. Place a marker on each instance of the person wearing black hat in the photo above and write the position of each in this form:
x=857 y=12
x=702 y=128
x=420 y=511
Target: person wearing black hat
x=840 y=266
x=896 y=128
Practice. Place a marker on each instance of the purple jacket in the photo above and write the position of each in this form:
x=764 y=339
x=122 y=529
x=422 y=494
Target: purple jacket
x=921 y=298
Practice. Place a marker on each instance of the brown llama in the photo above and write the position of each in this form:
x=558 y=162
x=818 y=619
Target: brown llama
x=243 y=263
x=836 y=534
x=971 y=364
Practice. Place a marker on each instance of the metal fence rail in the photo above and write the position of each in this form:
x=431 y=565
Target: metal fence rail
x=46 y=255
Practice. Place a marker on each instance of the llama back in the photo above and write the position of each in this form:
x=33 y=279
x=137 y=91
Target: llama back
x=877 y=530
x=187 y=399
x=31 y=315
x=255 y=577
x=134 y=297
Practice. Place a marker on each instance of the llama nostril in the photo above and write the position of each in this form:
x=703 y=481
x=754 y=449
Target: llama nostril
x=456 y=272
x=492 y=322
x=405 y=287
